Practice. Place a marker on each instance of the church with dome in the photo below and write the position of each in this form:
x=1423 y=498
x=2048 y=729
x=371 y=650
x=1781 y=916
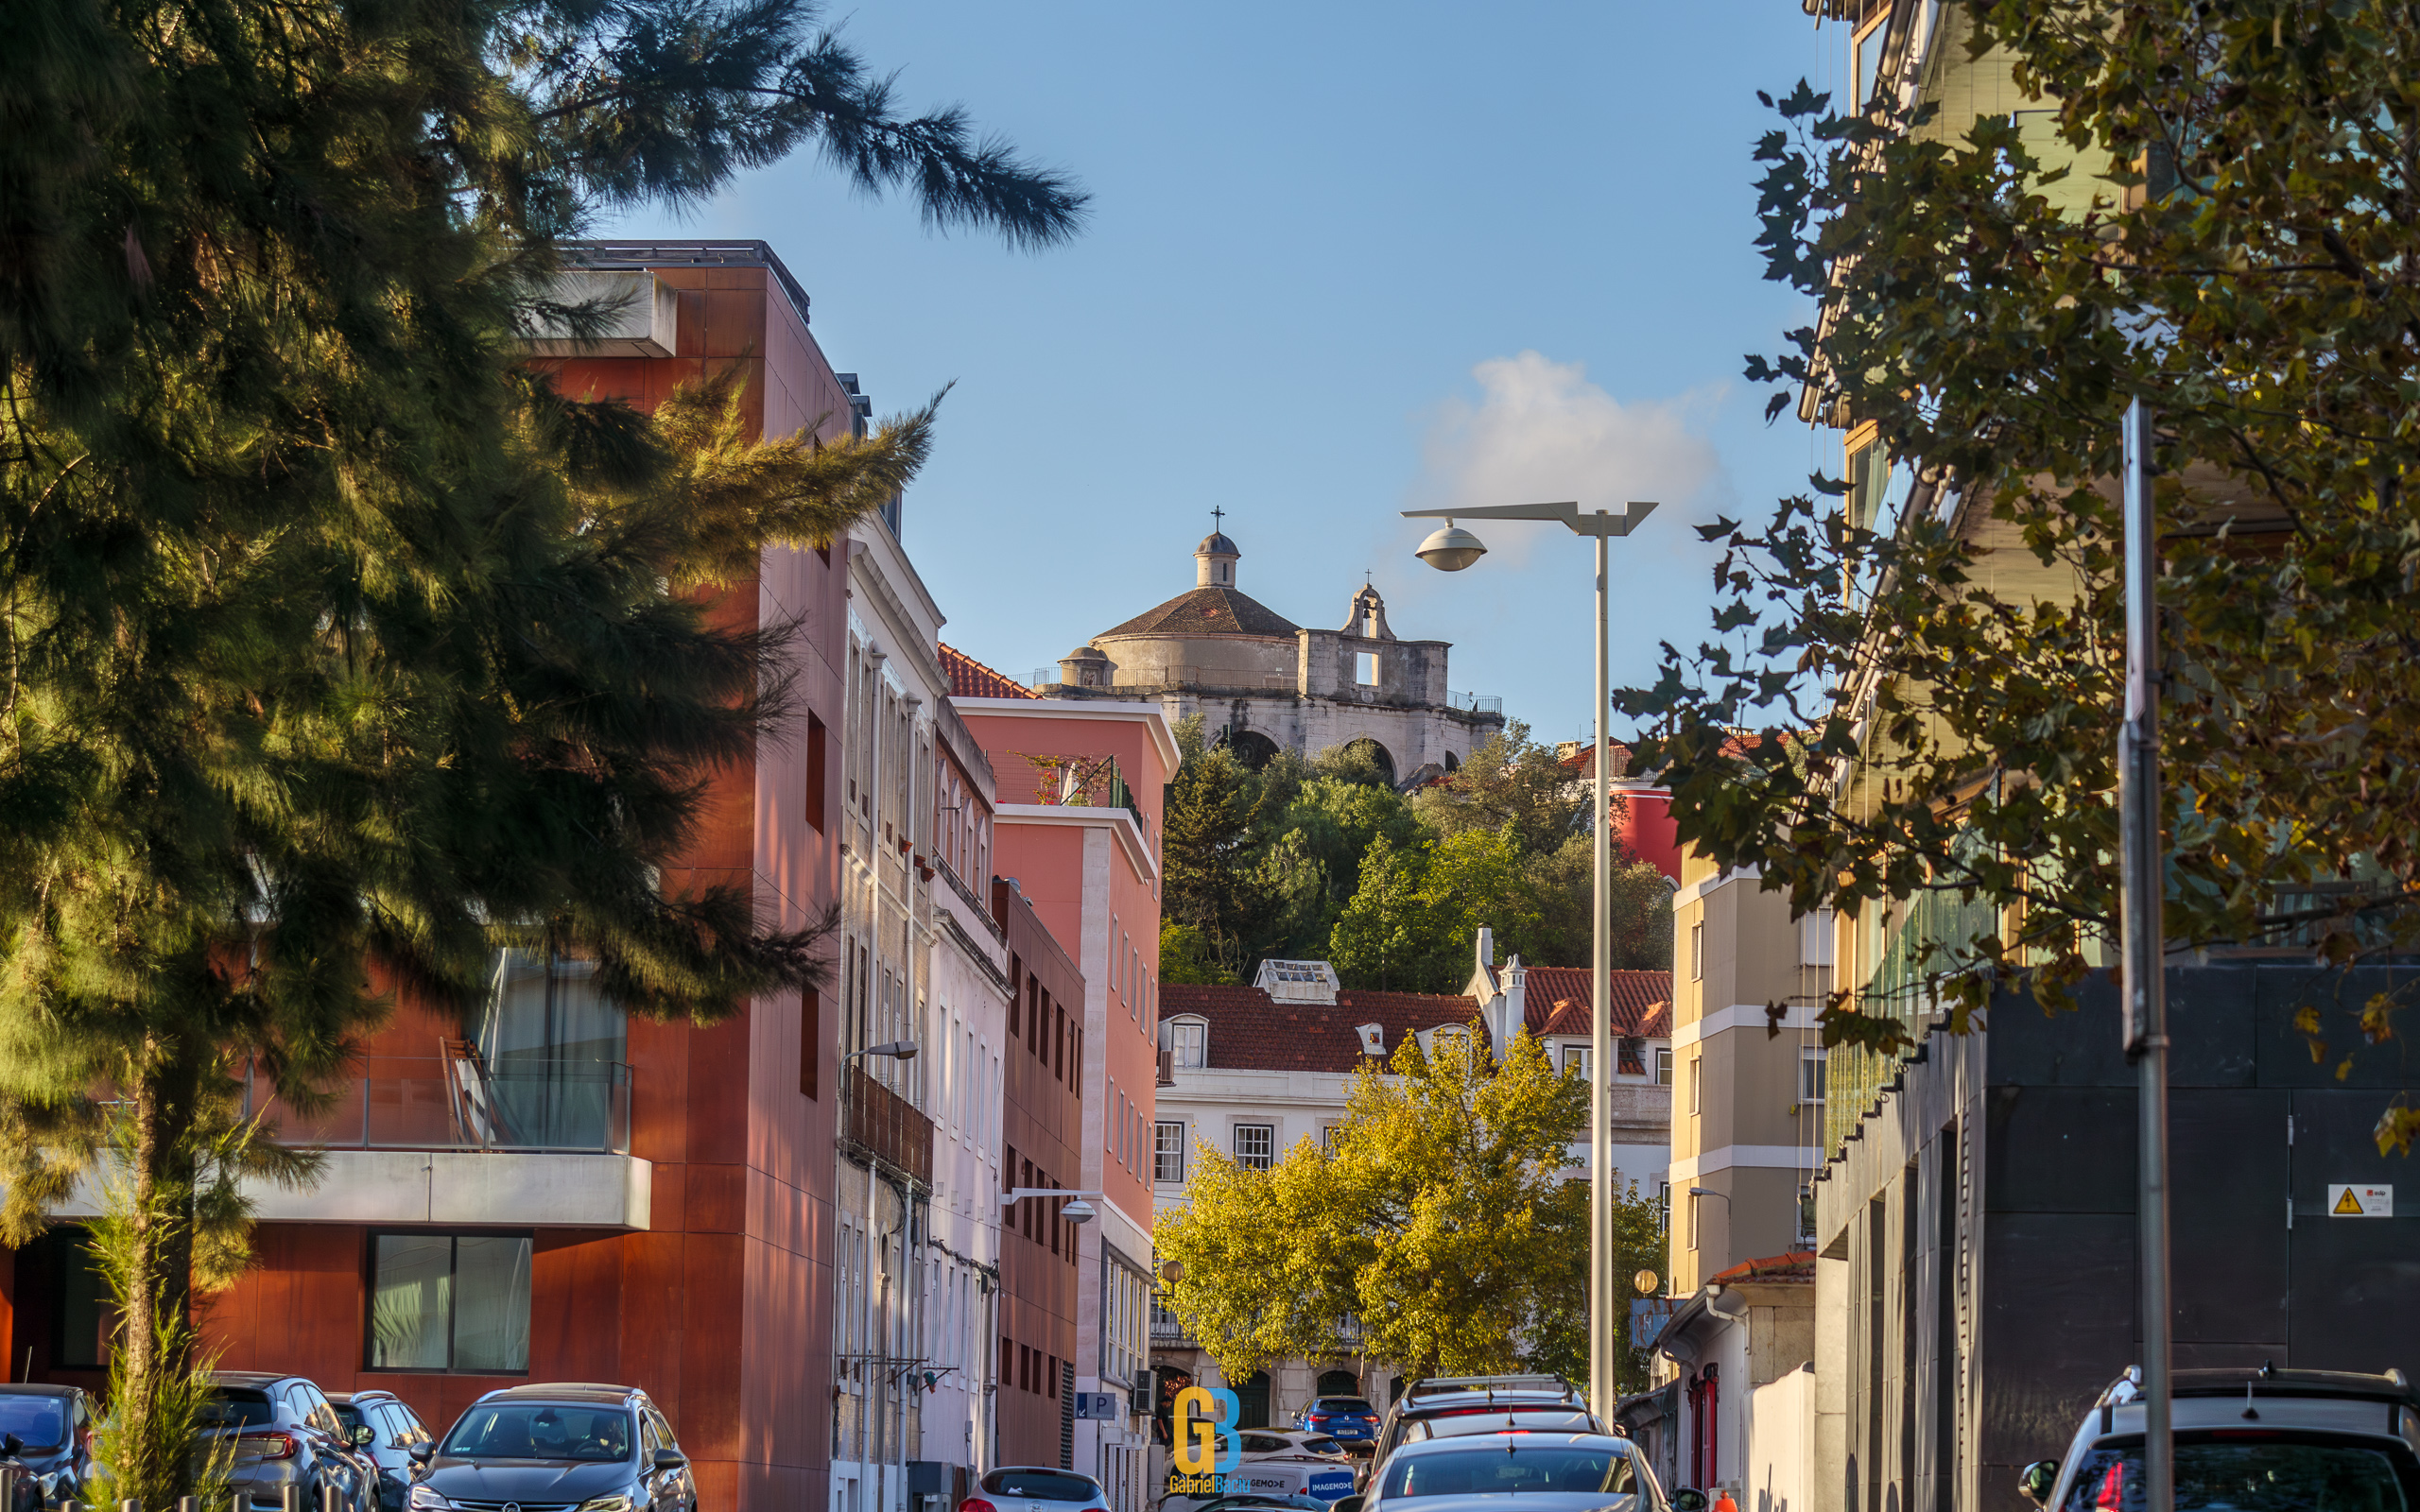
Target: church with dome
x=1263 y=683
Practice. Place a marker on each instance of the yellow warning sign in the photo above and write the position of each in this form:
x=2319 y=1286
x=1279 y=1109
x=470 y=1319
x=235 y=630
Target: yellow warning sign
x=2359 y=1200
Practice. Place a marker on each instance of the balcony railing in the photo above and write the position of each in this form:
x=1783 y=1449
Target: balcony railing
x=1167 y=1331
x=447 y=1103
x=886 y=1128
x=1079 y=781
x=1475 y=703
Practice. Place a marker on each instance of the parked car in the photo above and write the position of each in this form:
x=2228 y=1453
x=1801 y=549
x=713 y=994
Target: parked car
x=2247 y=1438
x=383 y=1428
x=282 y=1431
x=1350 y=1421
x=1540 y=1472
x=1454 y=1406
x=1288 y=1443
x=53 y=1427
x=1274 y=1464
x=1035 y=1489
x=552 y=1448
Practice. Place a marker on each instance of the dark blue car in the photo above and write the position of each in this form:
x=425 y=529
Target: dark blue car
x=1350 y=1421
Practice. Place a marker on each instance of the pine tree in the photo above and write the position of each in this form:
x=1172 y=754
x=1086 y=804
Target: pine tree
x=340 y=650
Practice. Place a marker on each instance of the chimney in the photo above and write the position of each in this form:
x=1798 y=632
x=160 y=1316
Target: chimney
x=1486 y=947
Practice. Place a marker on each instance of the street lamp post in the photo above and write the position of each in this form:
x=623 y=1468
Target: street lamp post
x=1450 y=550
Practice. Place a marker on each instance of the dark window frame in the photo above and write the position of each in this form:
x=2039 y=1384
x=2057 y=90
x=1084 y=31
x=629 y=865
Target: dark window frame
x=370 y=1291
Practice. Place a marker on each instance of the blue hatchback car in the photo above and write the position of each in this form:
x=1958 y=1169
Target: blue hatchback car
x=1350 y=1421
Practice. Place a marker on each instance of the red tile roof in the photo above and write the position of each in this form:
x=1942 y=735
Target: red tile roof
x=1250 y=1031
x=970 y=679
x=1798 y=1265
x=1207 y=611
x=1559 y=999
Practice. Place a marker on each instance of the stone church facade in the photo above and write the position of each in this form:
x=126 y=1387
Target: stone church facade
x=1264 y=684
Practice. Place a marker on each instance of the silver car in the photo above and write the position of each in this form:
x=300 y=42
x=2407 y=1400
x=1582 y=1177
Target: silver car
x=1517 y=1471
x=2258 y=1439
x=276 y=1431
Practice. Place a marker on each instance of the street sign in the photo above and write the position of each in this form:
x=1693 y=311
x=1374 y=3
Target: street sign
x=1647 y=1315
x=2355 y=1200
x=1098 y=1406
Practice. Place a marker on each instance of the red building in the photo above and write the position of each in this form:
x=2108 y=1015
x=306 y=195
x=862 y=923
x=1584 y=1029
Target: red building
x=1042 y=1121
x=556 y=1192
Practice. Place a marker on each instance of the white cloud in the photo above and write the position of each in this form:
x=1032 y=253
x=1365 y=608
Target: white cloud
x=1540 y=430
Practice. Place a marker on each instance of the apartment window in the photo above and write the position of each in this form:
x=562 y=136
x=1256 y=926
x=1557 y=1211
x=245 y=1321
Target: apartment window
x=1697 y=952
x=1168 y=1152
x=816 y=741
x=1328 y=1133
x=1810 y=1073
x=1254 y=1144
x=1190 y=1041
x=450 y=1302
x=1696 y=1084
x=1575 y=1060
x=1664 y=1068
x=1662 y=1207
x=1365 y=668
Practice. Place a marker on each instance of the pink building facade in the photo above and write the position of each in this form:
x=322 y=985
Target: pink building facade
x=1079 y=824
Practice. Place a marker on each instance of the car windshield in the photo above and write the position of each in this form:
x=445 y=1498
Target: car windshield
x=1496 y=1419
x=541 y=1430
x=235 y=1407
x=1578 y=1469
x=39 y=1422
x=1040 y=1485
x=1340 y=1405
x=347 y=1414
x=2236 y=1475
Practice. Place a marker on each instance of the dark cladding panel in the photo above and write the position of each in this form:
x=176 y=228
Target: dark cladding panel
x=2227 y=1174
x=2034 y=1048
x=2059 y=1149
x=2355 y=1295
x=2057 y=1324
x=2337 y=998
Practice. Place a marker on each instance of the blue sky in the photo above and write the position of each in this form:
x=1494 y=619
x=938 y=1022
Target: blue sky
x=1343 y=260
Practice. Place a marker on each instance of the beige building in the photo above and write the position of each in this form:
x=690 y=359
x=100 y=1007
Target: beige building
x=1748 y=1103
x=1264 y=684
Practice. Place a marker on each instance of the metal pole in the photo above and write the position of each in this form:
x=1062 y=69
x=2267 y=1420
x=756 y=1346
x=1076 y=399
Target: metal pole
x=2143 y=896
x=1604 y=1330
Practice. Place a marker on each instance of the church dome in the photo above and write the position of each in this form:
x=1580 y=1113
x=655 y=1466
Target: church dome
x=1216 y=543
x=1206 y=612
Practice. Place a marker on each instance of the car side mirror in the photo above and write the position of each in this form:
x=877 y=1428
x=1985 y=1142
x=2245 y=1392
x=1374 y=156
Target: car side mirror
x=2037 y=1479
x=670 y=1459
x=365 y=1435
x=1689 y=1499
x=10 y=1444
x=1350 y=1503
x=421 y=1454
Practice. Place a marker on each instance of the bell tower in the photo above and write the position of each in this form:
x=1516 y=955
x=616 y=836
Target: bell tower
x=1215 y=558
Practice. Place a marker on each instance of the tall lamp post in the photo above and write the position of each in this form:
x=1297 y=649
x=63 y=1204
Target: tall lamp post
x=1450 y=550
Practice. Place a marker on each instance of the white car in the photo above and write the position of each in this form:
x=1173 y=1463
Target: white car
x=1275 y=1462
x=1035 y=1489
x=1532 y=1471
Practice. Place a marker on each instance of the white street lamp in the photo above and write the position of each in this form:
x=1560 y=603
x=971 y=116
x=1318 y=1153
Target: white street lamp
x=1451 y=550
x=1077 y=1209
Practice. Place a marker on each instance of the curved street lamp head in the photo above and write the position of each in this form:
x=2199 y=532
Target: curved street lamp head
x=1451 y=549
x=1077 y=1211
x=896 y=1050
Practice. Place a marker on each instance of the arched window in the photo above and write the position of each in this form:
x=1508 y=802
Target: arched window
x=1339 y=1383
x=1189 y=1040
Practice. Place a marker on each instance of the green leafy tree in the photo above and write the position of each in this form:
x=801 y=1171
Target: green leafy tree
x=341 y=651
x=2220 y=214
x=1439 y=1216
x=1510 y=782
x=1214 y=888
x=1313 y=859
